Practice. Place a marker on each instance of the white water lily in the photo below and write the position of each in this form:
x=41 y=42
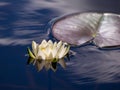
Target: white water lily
x=48 y=52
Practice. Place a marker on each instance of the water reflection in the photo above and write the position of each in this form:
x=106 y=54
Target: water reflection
x=3 y=4
x=21 y=29
x=48 y=64
x=57 y=6
x=103 y=6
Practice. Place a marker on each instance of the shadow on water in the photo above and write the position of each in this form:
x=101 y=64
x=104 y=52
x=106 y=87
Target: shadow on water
x=25 y=20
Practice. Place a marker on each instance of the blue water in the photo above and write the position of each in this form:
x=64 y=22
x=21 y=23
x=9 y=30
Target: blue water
x=22 y=21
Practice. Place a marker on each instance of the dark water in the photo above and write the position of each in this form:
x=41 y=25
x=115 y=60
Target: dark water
x=22 y=21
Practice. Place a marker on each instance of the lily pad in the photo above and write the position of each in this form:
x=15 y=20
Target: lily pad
x=79 y=28
x=108 y=34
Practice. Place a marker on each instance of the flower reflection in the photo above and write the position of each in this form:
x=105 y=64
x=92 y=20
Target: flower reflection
x=48 y=54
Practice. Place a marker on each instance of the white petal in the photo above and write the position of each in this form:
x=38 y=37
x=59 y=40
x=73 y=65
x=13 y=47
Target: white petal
x=55 y=45
x=50 y=42
x=43 y=43
x=54 y=51
x=50 y=56
x=41 y=54
x=46 y=51
x=34 y=47
x=59 y=44
x=67 y=50
x=62 y=51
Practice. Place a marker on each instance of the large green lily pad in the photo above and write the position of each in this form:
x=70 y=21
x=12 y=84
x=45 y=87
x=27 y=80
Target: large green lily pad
x=79 y=28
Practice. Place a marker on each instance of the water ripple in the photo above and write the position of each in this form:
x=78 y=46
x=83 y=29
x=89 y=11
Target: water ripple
x=102 y=67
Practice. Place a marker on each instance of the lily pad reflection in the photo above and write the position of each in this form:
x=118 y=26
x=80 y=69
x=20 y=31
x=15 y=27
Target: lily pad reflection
x=79 y=28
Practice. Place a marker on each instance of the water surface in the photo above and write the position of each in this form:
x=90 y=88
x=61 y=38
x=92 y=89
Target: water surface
x=22 y=21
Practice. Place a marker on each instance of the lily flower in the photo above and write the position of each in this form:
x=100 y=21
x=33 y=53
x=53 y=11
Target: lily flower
x=48 y=53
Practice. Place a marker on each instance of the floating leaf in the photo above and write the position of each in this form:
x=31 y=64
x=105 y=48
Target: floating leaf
x=79 y=28
x=108 y=32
